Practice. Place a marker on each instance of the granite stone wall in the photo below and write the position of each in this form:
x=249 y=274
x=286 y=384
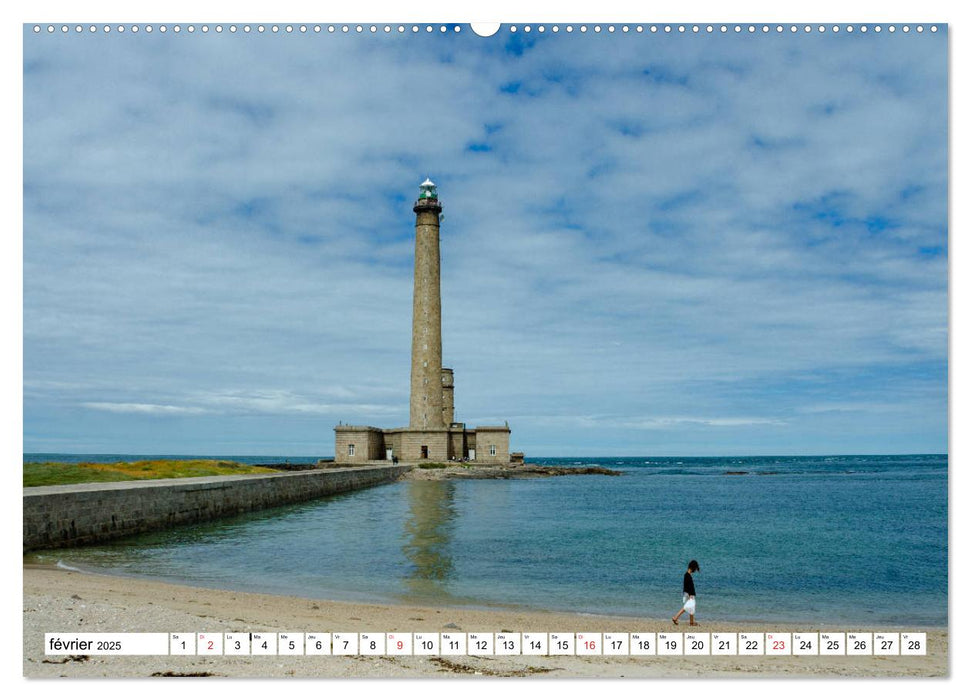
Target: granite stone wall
x=368 y=444
x=448 y=396
x=436 y=441
x=488 y=437
x=78 y=514
x=426 y=334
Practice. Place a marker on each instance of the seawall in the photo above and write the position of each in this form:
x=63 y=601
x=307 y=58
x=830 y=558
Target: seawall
x=78 y=514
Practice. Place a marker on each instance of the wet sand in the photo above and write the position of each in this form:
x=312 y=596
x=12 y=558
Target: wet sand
x=57 y=600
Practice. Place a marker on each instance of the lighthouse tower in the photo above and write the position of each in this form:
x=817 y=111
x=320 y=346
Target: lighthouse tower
x=432 y=434
x=426 y=328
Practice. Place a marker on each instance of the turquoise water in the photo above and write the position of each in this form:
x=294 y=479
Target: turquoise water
x=851 y=539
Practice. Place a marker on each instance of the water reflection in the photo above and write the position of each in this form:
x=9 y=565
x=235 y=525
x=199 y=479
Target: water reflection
x=427 y=538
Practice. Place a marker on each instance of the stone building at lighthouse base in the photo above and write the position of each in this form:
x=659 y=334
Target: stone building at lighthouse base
x=365 y=443
x=484 y=444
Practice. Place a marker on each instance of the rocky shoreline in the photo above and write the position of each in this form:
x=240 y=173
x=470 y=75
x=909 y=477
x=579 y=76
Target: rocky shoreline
x=459 y=470
x=527 y=471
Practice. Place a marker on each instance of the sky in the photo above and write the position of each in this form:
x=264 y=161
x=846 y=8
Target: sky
x=653 y=244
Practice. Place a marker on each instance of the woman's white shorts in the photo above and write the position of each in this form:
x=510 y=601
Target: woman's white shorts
x=689 y=604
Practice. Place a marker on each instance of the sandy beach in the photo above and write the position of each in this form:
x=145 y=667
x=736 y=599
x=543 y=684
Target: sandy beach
x=57 y=600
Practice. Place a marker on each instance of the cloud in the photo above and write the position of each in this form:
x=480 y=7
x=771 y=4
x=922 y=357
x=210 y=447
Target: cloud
x=142 y=408
x=286 y=403
x=653 y=422
x=634 y=227
x=668 y=421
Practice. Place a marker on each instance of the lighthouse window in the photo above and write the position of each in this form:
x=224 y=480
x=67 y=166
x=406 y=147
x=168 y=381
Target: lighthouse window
x=350 y=450
x=492 y=450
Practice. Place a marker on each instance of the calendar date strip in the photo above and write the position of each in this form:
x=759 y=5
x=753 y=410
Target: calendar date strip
x=488 y=644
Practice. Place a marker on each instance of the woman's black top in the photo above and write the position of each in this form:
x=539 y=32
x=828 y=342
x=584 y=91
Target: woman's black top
x=689 y=584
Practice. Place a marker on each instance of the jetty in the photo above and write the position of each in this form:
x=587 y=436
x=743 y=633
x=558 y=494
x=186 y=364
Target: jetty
x=79 y=514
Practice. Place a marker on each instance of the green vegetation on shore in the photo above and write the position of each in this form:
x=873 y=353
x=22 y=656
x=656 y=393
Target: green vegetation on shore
x=54 y=473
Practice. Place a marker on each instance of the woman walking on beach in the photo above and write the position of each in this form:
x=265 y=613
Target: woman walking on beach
x=688 y=595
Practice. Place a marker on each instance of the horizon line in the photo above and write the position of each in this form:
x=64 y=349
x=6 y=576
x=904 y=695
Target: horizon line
x=565 y=456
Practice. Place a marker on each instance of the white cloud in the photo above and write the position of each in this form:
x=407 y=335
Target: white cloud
x=142 y=408
x=286 y=403
x=661 y=225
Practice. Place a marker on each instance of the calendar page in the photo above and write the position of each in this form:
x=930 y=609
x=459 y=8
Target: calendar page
x=534 y=349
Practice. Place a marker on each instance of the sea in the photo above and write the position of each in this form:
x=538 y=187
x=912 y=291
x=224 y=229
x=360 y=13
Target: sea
x=853 y=540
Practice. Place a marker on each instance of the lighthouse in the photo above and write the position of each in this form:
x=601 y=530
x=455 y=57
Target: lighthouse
x=426 y=322
x=432 y=433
